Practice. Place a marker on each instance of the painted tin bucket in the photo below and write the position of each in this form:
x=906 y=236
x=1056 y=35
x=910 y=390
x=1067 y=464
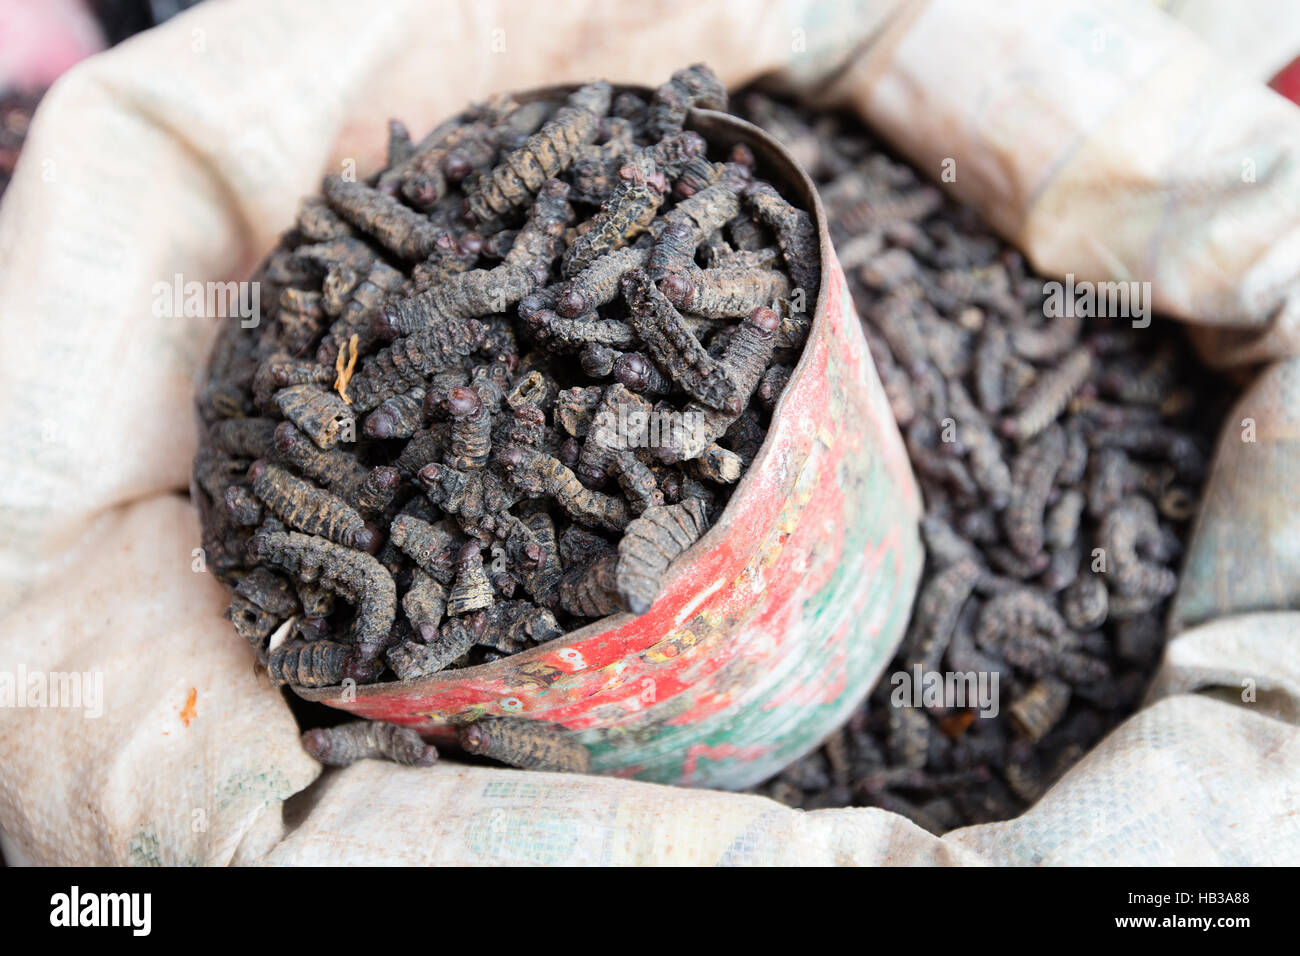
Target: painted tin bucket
x=774 y=626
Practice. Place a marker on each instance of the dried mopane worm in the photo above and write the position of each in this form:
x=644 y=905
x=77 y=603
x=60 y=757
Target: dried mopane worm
x=503 y=385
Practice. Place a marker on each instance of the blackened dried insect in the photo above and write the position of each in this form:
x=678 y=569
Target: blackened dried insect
x=315 y=664
x=672 y=345
x=424 y=604
x=345 y=744
x=725 y=293
x=696 y=86
x=795 y=234
x=398 y=416
x=544 y=155
x=412 y=660
x=527 y=744
x=598 y=284
x=472 y=591
x=626 y=214
x=303 y=506
x=430 y=546
x=398 y=229
x=408 y=362
x=636 y=372
x=319 y=413
x=711 y=208
x=540 y=474
x=650 y=544
x=354 y=575
x=471 y=429
x=478 y=292
x=560 y=334
x=589 y=588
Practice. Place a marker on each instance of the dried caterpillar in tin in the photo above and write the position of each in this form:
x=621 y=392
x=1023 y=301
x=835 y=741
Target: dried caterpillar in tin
x=303 y=506
x=626 y=214
x=424 y=604
x=472 y=590
x=402 y=231
x=318 y=413
x=396 y=417
x=479 y=292
x=672 y=345
x=697 y=87
x=650 y=544
x=748 y=352
x=471 y=429
x=412 y=660
x=430 y=546
x=366 y=489
x=795 y=234
x=540 y=474
x=243 y=437
x=725 y=293
x=559 y=333
x=527 y=744
x=316 y=664
x=364 y=299
x=345 y=744
x=544 y=155
x=711 y=208
x=598 y=284
x=300 y=315
x=409 y=361
x=354 y=575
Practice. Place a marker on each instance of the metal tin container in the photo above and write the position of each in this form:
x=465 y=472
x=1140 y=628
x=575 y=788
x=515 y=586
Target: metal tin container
x=772 y=628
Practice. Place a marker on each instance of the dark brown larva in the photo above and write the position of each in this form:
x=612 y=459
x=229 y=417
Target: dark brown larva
x=424 y=604
x=430 y=546
x=320 y=414
x=412 y=660
x=544 y=155
x=354 y=575
x=795 y=234
x=315 y=664
x=652 y=542
x=626 y=214
x=397 y=417
x=410 y=361
x=478 y=292
x=471 y=429
x=400 y=230
x=527 y=744
x=725 y=293
x=696 y=86
x=540 y=474
x=598 y=284
x=345 y=744
x=672 y=345
x=303 y=506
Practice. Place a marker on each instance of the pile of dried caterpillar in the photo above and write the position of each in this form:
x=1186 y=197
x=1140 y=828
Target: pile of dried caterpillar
x=1060 y=457
x=501 y=386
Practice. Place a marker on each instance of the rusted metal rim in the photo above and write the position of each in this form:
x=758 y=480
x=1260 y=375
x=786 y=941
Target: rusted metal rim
x=777 y=166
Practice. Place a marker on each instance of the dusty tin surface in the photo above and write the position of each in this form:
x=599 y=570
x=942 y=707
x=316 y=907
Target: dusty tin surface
x=772 y=627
